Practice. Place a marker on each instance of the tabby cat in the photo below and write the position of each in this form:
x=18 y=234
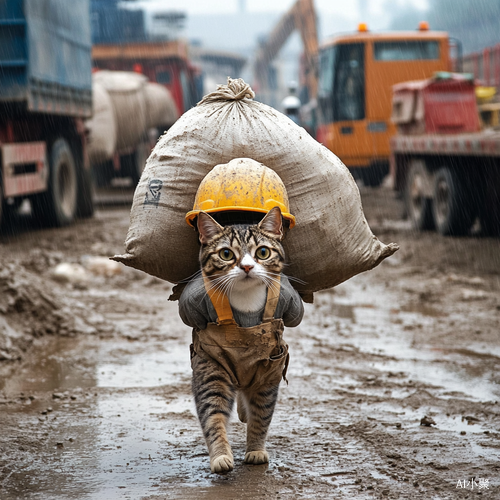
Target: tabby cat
x=238 y=350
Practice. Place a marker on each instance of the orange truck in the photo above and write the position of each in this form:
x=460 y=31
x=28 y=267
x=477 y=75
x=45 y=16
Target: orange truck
x=356 y=75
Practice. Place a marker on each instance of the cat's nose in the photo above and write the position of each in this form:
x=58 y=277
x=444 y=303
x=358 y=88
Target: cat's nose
x=247 y=269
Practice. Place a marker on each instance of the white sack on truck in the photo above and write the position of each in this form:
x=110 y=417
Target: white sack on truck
x=102 y=128
x=126 y=90
x=160 y=106
x=331 y=241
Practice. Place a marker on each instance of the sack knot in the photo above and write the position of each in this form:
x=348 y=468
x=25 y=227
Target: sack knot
x=235 y=90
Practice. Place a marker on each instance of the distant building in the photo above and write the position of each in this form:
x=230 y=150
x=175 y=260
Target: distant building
x=216 y=66
x=112 y=24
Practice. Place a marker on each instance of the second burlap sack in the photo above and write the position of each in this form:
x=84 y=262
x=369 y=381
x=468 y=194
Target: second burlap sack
x=331 y=241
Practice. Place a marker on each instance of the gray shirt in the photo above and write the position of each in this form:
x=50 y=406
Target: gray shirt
x=196 y=308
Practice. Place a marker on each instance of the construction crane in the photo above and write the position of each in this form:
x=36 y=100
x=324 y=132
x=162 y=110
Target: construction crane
x=302 y=18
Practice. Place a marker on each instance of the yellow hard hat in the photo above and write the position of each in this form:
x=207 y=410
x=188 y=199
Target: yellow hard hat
x=241 y=185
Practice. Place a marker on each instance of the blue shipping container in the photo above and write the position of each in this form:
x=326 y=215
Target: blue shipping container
x=45 y=55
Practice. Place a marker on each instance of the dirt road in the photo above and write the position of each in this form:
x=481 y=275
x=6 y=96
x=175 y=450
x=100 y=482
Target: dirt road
x=95 y=378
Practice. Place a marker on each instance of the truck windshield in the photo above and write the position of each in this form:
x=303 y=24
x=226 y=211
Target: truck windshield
x=341 y=91
x=405 y=50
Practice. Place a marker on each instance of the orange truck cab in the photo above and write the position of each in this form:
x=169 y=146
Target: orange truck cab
x=356 y=75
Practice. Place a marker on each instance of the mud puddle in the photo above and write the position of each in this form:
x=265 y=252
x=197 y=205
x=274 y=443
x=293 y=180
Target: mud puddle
x=367 y=322
x=105 y=418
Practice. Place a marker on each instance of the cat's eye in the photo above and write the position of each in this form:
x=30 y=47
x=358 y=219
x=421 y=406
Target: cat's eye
x=263 y=253
x=226 y=254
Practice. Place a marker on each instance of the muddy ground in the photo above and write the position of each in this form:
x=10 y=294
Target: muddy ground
x=95 y=378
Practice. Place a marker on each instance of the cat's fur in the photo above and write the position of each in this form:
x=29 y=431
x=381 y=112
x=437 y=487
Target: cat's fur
x=244 y=279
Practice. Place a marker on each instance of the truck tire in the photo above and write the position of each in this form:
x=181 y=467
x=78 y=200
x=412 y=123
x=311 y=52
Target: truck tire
x=57 y=206
x=451 y=206
x=418 y=204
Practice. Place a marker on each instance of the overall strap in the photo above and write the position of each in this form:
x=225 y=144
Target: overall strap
x=273 y=295
x=222 y=307
x=221 y=304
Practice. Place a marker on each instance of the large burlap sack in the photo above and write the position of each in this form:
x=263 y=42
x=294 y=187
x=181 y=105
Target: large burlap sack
x=102 y=128
x=126 y=90
x=160 y=106
x=331 y=241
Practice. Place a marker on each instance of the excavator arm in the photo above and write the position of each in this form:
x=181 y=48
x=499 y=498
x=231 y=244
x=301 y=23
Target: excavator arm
x=300 y=17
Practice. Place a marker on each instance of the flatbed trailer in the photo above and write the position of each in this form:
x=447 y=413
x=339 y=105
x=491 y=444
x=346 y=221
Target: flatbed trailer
x=449 y=180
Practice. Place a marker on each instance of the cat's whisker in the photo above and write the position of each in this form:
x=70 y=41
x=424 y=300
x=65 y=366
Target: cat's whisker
x=200 y=277
x=290 y=278
x=216 y=282
x=296 y=280
x=212 y=282
x=211 y=286
x=221 y=286
x=271 y=283
x=193 y=277
x=228 y=285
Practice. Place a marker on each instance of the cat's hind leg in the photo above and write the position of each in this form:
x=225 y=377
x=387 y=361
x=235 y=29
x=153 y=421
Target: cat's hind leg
x=241 y=406
x=261 y=404
x=214 y=396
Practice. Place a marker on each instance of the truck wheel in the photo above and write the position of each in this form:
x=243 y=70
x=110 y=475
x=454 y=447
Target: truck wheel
x=452 y=208
x=57 y=206
x=418 y=204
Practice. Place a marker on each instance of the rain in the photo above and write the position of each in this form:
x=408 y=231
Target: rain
x=373 y=126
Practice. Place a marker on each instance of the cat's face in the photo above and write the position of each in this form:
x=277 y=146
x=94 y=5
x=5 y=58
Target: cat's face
x=240 y=256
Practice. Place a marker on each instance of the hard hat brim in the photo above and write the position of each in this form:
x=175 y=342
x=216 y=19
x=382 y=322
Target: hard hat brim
x=191 y=216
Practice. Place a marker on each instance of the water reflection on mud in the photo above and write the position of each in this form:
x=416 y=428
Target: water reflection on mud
x=114 y=418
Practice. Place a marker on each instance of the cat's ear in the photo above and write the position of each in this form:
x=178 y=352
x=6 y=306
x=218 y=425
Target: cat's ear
x=272 y=223
x=208 y=228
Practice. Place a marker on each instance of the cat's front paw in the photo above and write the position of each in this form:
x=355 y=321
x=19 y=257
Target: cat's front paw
x=257 y=457
x=222 y=464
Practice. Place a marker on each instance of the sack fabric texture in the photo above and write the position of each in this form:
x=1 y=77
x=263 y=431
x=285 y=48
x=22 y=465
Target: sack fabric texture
x=331 y=241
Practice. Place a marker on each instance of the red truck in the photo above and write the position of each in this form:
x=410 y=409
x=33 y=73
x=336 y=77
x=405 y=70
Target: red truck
x=444 y=163
x=163 y=62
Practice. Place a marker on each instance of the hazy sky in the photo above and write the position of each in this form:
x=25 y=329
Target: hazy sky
x=347 y=8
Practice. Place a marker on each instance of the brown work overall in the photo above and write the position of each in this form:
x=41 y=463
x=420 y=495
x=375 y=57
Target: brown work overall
x=253 y=356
